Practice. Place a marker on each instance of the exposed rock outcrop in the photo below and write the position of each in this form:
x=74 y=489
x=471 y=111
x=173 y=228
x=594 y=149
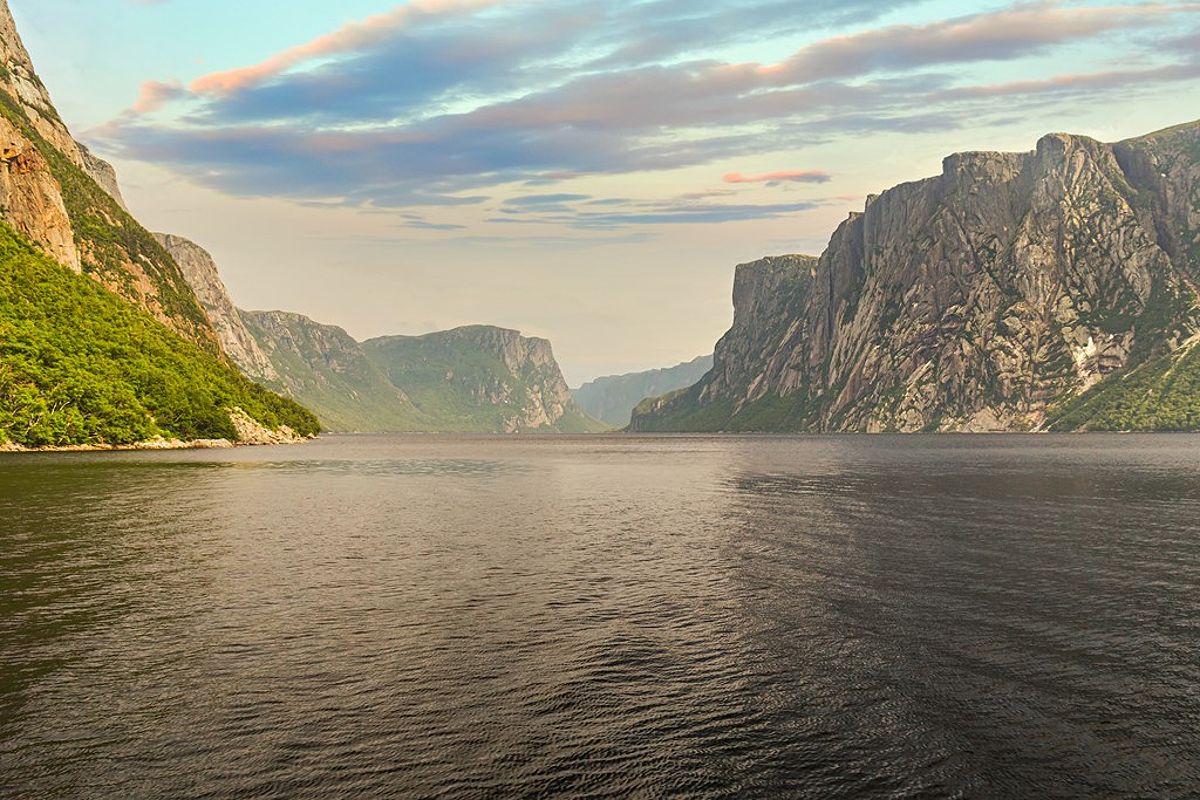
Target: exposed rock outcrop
x=103 y=173
x=201 y=273
x=20 y=80
x=252 y=432
x=72 y=206
x=981 y=299
x=31 y=197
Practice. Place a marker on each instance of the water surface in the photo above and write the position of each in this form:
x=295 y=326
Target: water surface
x=606 y=616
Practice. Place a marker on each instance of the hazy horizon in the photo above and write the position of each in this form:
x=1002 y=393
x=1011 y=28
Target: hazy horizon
x=588 y=172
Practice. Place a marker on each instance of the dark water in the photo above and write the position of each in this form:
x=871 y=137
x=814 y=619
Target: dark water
x=647 y=617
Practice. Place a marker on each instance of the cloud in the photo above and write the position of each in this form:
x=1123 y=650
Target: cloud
x=991 y=36
x=787 y=176
x=1078 y=84
x=706 y=214
x=350 y=37
x=446 y=102
x=420 y=224
x=547 y=199
x=584 y=213
x=153 y=95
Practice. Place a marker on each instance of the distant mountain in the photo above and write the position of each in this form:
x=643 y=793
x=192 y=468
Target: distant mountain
x=612 y=399
x=1027 y=291
x=477 y=379
x=102 y=340
x=330 y=372
x=482 y=378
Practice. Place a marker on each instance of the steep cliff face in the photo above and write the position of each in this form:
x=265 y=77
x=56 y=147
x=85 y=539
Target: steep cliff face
x=67 y=201
x=475 y=380
x=31 y=197
x=482 y=378
x=125 y=354
x=20 y=81
x=983 y=299
x=330 y=372
x=103 y=174
x=1165 y=168
x=612 y=399
x=201 y=273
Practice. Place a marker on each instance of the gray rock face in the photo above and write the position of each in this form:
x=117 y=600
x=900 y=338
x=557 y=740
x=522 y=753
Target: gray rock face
x=201 y=273
x=612 y=399
x=103 y=174
x=975 y=300
x=331 y=371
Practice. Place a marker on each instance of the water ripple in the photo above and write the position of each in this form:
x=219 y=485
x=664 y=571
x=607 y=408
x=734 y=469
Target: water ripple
x=629 y=616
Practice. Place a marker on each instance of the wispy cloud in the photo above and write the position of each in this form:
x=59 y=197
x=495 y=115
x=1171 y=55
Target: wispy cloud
x=352 y=37
x=446 y=102
x=785 y=176
x=153 y=95
x=584 y=213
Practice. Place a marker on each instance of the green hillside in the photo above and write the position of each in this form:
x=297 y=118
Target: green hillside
x=328 y=371
x=1160 y=395
x=79 y=365
x=480 y=379
x=117 y=251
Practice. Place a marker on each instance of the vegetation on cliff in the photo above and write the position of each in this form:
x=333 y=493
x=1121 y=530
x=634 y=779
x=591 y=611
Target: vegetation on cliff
x=1015 y=291
x=81 y=366
x=324 y=367
x=481 y=379
x=115 y=249
x=1160 y=395
x=477 y=379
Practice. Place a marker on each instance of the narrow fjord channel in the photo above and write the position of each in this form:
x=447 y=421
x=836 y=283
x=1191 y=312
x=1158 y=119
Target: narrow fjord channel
x=570 y=617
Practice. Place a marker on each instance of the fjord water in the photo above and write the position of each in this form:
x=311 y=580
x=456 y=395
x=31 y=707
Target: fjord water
x=634 y=616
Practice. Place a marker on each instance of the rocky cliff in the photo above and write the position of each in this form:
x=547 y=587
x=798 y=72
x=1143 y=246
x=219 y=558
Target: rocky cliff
x=991 y=297
x=66 y=200
x=482 y=378
x=612 y=399
x=200 y=271
x=325 y=368
x=103 y=174
x=102 y=341
x=477 y=379
x=20 y=81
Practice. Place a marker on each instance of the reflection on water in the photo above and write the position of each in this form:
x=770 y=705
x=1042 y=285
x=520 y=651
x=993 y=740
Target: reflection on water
x=651 y=616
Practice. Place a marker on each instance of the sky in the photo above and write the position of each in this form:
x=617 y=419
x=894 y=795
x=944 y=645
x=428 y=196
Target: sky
x=585 y=170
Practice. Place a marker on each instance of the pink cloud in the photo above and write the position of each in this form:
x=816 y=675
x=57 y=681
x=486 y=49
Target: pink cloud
x=349 y=37
x=787 y=176
x=155 y=94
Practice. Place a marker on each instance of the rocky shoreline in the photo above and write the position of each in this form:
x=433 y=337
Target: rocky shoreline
x=249 y=432
x=152 y=445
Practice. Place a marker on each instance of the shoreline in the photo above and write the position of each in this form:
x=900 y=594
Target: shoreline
x=150 y=446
